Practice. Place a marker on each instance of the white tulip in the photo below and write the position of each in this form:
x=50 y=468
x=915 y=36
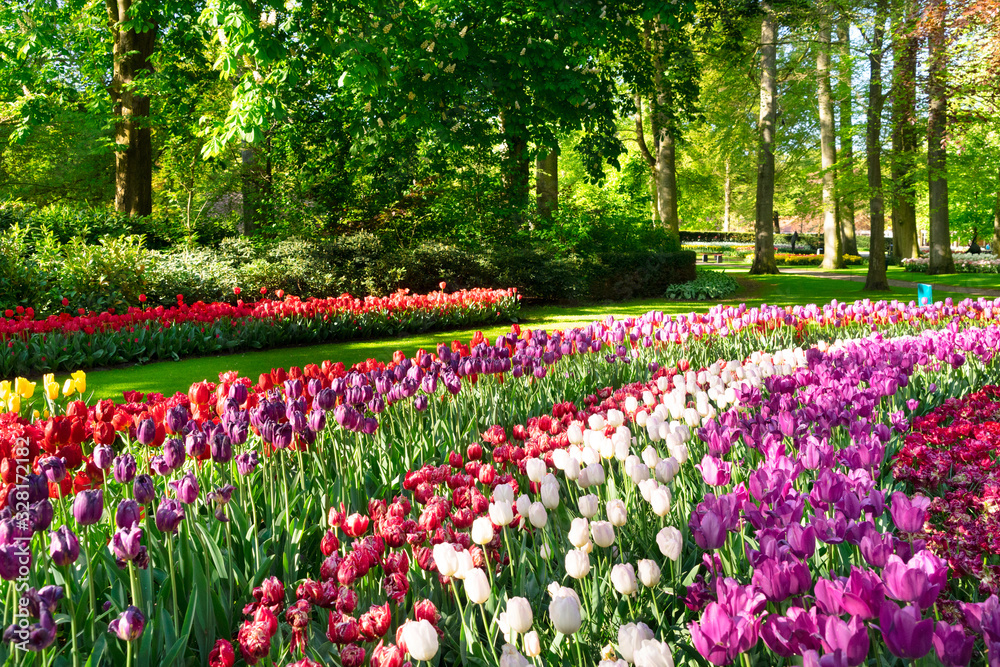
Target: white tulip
x=616 y=417
x=595 y=474
x=445 y=559
x=660 y=500
x=522 y=504
x=680 y=453
x=532 y=644
x=639 y=473
x=630 y=637
x=613 y=663
x=650 y=456
x=564 y=611
x=575 y=433
x=592 y=455
x=537 y=515
x=670 y=542
x=666 y=469
x=663 y=383
x=616 y=513
x=579 y=532
x=646 y=488
x=648 y=398
x=477 y=587
x=649 y=573
x=577 y=563
x=550 y=495
x=545 y=551
x=535 y=469
x=482 y=531
x=504 y=493
x=589 y=505
x=421 y=639
x=512 y=658
x=559 y=459
x=519 y=615
x=603 y=533
x=652 y=653
x=623 y=579
x=595 y=422
x=641 y=418
x=501 y=513
x=572 y=469
x=631 y=404
x=465 y=564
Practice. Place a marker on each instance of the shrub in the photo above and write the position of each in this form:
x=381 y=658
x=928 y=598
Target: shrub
x=709 y=285
x=622 y=276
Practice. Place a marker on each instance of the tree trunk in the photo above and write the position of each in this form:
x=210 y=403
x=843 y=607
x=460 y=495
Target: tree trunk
x=873 y=145
x=937 y=154
x=832 y=252
x=763 y=260
x=727 y=202
x=547 y=184
x=250 y=187
x=640 y=138
x=133 y=139
x=846 y=177
x=664 y=134
x=904 y=135
x=515 y=168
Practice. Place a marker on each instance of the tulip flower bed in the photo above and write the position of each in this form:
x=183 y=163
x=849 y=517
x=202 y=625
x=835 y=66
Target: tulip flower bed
x=535 y=498
x=964 y=263
x=950 y=456
x=64 y=342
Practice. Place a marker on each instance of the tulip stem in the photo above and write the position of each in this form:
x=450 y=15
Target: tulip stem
x=489 y=636
x=173 y=581
x=128 y=654
x=72 y=615
x=90 y=581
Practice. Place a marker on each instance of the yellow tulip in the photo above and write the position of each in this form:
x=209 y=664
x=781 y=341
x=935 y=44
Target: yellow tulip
x=52 y=390
x=24 y=388
x=48 y=377
x=4 y=390
x=34 y=415
x=14 y=403
x=80 y=381
x=68 y=388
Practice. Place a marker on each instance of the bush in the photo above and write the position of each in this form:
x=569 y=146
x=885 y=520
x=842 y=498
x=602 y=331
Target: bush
x=709 y=285
x=623 y=276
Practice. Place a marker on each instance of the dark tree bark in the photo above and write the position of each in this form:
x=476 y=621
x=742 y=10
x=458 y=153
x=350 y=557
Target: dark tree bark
x=846 y=132
x=876 y=279
x=664 y=134
x=727 y=199
x=547 y=184
x=996 y=221
x=763 y=260
x=937 y=154
x=515 y=167
x=904 y=134
x=133 y=139
x=832 y=251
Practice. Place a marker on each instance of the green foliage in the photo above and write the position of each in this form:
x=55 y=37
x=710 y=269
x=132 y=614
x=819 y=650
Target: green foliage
x=709 y=285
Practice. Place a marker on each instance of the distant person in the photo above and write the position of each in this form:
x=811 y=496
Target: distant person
x=974 y=249
x=795 y=239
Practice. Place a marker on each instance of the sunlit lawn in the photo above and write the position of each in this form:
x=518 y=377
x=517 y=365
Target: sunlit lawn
x=172 y=376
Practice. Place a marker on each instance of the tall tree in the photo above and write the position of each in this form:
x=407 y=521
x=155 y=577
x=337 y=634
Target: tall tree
x=876 y=279
x=905 y=138
x=937 y=153
x=547 y=182
x=832 y=250
x=845 y=176
x=763 y=259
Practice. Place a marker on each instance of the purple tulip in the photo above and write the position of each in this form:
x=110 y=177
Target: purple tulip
x=64 y=547
x=127 y=513
x=850 y=638
x=176 y=418
x=194 y=444
x=864 y=594
x=920 y=580
x=317 y=419
x=35 y=637
x=40 y=515
x=326 y=399
x=909 y=514
x=169 y=515
x=714 y=471
x=143 y=489
x=297 y=420
x=103 y=456
x=780 y=579
x=708 y=530
x=145 y=432
x=159 y=466
x=246 y=463
x=15 y=561
x=129 y=626
x=830 y=595
x=186 y=488
x=792 y=634
x=88 y=506
x=906 y=635
x=173 y=453
x=420 y=403
x=126 y=543
x=720 y=636
x=222 y=448
x=44 y=600
x=220 y=497
x=369 y=425
x=238 y=392
x=282 y=436
x=801 y=540
x=124 y=468
x=53 y=467
x=952 y=645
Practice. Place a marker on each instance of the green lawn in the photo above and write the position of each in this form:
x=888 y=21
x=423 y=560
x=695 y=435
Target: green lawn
x=980 y=280
x=170 y=376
